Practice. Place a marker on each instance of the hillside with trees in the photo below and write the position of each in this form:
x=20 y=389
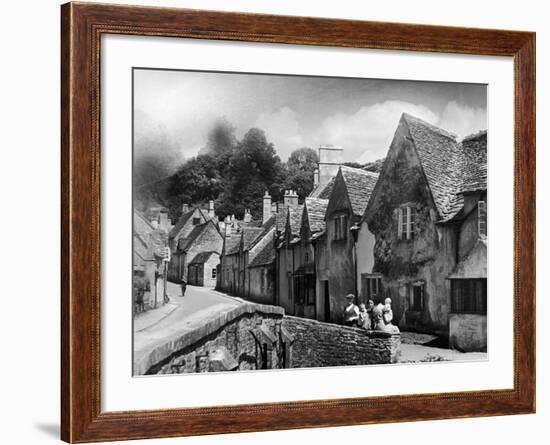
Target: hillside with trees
x=234 y=173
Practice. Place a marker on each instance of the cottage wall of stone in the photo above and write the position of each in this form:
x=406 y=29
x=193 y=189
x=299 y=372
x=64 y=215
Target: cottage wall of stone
x=365 y=256
x=429 y=257
x=468 y=332
x=176 y=267
x=284 y=279
x=258 y=276
x=341 y=264
x=321 y=279
x=230 y=273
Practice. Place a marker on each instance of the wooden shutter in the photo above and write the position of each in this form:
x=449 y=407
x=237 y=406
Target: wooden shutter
x=400 y=223
x=408 y=224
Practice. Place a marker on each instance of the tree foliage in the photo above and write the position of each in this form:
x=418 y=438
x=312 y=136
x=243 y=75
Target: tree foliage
x=235 y=174
x=300 y=167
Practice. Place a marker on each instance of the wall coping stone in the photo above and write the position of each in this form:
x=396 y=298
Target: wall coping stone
x=187 y=338
x=368 y=333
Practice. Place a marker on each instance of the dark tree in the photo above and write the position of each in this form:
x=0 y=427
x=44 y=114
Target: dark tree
x=300 y=167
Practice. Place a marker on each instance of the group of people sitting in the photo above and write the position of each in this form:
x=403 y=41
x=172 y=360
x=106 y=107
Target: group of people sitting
x=369 y=316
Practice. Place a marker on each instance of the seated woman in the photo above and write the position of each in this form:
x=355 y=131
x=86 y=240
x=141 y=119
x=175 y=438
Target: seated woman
x=383 y=316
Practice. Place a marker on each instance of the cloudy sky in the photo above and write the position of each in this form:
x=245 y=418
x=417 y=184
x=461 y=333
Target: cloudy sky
x=177 y=108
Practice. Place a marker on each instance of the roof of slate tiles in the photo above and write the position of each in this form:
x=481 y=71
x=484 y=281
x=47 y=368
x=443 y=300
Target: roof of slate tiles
x=185 y=243
x=266 y=255
x=202 y=257
x=451 y=167
x=232 y=244
x=280 y=217
x=181 y=222
x=316 y=209
x=151 y=242
x=360 y=184
x=322 y=191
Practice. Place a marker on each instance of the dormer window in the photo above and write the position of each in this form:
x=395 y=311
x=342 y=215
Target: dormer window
x=406 y=219
x=340 y=228
x=482 y=218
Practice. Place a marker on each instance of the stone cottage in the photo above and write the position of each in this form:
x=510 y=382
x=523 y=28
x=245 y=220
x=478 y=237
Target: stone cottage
x=349 y=198
x=428 y=217
x=288 y=258
x=204 y=237
x=202 y=269
x=150 y=256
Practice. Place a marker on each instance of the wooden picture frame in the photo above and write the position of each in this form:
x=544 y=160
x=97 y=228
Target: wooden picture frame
x=82 y=26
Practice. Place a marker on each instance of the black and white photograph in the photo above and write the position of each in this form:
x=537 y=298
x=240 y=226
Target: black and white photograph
x=289 y=221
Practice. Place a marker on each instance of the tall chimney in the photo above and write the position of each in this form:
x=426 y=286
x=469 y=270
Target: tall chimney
x=247 y=216
x=330 y=159
x=211 y=213
x=184 y=208
x=266 y=213
x=290 y=199
x=315 y=177
x=227 y=226
x=164 y=222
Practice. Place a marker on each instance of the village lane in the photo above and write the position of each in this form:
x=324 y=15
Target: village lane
x=181 y=314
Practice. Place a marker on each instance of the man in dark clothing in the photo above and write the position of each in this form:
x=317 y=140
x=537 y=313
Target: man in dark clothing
x=141 y=285
x=183 y=286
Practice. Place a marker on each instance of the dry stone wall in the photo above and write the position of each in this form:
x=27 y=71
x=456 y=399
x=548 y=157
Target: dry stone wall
x=253 y=336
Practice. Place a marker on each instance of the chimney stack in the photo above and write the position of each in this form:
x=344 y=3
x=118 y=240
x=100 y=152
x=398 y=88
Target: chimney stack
x=227 y=226
x=330 y=159
x=247 y=216
x=184 y=208
x=315 y=177
x=164 y=222
x=290 y=199
x=267 y=208
x=211 y=213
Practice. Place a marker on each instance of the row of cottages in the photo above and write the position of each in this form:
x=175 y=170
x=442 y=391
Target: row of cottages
x=247 y=262
x=317 y=250
x=151 y=255
x=196 y=243
x=423 y=236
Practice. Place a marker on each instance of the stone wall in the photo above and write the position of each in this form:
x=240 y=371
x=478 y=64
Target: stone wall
x=254 y=336
x=468 y=332
x=234 y=340
x=318 y=344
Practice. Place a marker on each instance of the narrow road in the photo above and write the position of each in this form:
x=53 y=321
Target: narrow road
x=158 y=326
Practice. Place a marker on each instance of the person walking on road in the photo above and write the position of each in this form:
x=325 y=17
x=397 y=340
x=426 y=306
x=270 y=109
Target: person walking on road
x=183 y=286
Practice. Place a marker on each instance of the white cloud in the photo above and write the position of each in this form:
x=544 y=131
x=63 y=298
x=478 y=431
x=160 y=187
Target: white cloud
x=282 y=128
x=463 y=120
x=366 y=135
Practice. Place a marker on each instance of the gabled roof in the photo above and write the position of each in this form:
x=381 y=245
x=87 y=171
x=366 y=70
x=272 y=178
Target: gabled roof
x=281 y=217
x=359 y=184
x=322 y=191
x=250 y=234
x=148 y=241
x=266 y=255
x=203 y=257
x=185 y=243
x=232 y=244
x=450 y=167
x=316 y=209
x=182 y=221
